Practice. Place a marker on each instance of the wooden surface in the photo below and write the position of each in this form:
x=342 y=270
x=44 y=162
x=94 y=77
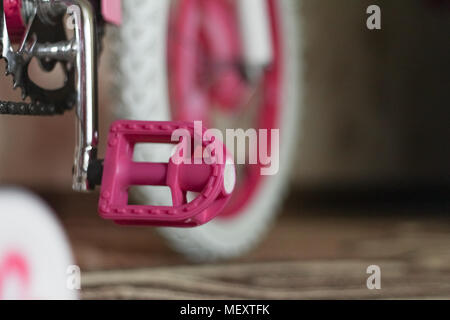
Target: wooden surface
x=312 y=252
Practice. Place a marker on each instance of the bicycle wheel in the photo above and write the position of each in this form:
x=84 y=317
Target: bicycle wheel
x=164 y=52
x=36 y=260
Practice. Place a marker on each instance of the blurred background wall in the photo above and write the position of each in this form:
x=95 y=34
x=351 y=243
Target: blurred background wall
x=376 y=106
x=377 y=102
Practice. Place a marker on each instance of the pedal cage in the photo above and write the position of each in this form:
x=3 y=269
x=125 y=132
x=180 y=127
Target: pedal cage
x=120 y=172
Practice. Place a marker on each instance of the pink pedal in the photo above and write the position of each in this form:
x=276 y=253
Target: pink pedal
x=213 y=182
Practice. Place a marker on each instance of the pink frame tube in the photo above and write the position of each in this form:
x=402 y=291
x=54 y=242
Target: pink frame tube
x=112 y=11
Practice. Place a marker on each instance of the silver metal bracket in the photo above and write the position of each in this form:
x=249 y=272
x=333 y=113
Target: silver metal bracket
x=84 y=47
x=87 y=99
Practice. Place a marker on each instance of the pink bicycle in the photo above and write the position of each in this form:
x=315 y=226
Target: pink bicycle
x=228 y=63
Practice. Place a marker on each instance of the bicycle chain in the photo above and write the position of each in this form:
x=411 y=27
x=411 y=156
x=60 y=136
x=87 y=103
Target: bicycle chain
x=28 y=109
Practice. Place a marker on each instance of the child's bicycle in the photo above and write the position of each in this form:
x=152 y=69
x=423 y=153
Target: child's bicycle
x=228 y=63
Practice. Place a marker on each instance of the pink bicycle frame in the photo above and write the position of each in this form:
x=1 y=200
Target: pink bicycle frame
x=112 y=11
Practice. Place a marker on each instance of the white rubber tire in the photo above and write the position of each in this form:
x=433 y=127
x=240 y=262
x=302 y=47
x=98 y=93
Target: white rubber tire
x=141 y=86
x=30 y=232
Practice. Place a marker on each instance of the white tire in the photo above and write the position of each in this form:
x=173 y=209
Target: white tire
x=36 y=260
x=140 y=52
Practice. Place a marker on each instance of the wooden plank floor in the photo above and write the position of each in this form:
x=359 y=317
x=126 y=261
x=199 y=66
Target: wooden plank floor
x=310 y=253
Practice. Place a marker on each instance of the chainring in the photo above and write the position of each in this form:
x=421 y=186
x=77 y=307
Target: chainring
x=18 y=62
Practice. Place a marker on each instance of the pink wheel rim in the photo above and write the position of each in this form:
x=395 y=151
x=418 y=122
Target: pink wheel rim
x=14 y=21
x=190 y=45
